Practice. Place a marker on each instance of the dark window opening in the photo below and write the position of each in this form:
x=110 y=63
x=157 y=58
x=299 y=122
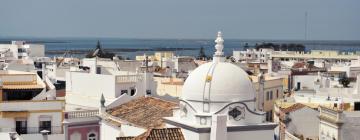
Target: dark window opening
x=98 y=70
x=91 y=136
x=132 y=92
x=148 y=92
x=298 y=86
x=45 y=125
x=21 y=127
x=9 y=95
x=269 y=116
x=357 y=106
x=124 y=92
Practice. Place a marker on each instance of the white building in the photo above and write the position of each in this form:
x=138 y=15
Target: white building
x=21 y=50
x=336 y=124
x=218 y=102
x=85 y=84
x=253 y=55
x=28 y=105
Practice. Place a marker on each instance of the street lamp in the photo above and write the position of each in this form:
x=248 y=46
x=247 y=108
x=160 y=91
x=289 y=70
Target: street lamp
x=45 y=134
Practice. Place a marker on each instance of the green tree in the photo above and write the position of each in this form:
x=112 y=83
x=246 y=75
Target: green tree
x=98 y=52
x=345 y=81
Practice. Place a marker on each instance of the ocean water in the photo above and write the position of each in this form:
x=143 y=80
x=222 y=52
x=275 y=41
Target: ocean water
x=189 y=47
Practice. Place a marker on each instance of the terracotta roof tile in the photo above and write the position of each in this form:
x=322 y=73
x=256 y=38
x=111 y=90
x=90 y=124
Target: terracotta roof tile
x=125 y=138
x=158 y=134
x=146 y=112
x=292 y=108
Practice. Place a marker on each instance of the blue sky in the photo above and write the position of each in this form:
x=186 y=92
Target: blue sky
x=241 y=19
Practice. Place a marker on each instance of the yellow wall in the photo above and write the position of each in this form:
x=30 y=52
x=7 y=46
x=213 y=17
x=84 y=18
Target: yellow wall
x=158 y=55
x=142 y=57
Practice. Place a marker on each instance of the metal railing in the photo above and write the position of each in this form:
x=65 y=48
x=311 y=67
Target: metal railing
x=33 y=130
x=81 y=114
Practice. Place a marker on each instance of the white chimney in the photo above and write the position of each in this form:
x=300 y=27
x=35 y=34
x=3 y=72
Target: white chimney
x=43 y=69
x=269 y=63
x=218 y=127
x=261 y=81
x=357 y=86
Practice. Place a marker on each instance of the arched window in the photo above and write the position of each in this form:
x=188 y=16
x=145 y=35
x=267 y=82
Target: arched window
x=92 y=136
x=132 y=91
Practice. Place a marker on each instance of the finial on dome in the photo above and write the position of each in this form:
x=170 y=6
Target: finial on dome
x=219 y=45
x=102 y=100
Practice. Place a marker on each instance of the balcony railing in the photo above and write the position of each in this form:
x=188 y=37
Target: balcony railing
x=128 y=78
x=33 y=130
x=81 y=114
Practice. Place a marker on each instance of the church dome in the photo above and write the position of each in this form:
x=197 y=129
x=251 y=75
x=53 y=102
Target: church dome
x=222 y=81
x=219 y=88
x=218 y=81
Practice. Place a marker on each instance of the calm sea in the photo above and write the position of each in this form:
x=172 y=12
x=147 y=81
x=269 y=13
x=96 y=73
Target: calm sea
x=181 y=46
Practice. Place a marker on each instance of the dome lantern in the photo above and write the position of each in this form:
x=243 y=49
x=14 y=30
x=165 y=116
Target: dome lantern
x=219 y=54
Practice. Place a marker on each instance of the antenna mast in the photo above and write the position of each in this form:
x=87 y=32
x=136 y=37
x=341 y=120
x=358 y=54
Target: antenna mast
x=306 y=21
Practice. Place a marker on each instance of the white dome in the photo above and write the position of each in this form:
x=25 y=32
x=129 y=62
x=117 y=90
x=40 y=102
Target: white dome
x=218 y=82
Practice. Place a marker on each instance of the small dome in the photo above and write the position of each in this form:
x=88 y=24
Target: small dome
x=218 y=81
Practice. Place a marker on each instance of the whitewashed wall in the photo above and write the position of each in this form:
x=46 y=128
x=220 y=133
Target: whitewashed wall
x=90 y=84
x=132 y=130
x=305 y=81
x=36 y=50
x=108 y=132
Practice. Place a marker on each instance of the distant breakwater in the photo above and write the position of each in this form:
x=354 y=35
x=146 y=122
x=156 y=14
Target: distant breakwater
x=115 y=50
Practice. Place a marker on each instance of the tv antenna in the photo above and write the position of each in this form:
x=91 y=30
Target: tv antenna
x=305 y=25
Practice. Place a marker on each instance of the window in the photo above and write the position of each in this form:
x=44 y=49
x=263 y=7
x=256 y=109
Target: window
x=124 y=92
x=277 y=93
x=21 y=50
x=357 y=106
x=132 y=91
x=148 y=92
x=267 y=95
x=21 y=126
x=271 y=95
x=92 y=136
x=98 y=70
x=269 y=116
x=298 y=86
x=45 y=125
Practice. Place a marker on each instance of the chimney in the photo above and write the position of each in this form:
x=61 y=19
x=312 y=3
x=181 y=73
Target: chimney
x=43 y=69
x=269 y=63
x=261 y=99
x=357 y=86
x=218 y=127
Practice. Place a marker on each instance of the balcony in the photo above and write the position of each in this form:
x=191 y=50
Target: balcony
x=30 y=105
x=81 y=114
x=33 y=130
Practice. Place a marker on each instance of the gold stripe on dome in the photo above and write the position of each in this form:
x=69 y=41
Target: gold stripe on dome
x=208 y=78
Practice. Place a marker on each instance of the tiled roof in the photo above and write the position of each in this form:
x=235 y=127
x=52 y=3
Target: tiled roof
x=158 y=134
x=292 y=108
x=146 y=112
x=125 y=138
x=112 y=122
